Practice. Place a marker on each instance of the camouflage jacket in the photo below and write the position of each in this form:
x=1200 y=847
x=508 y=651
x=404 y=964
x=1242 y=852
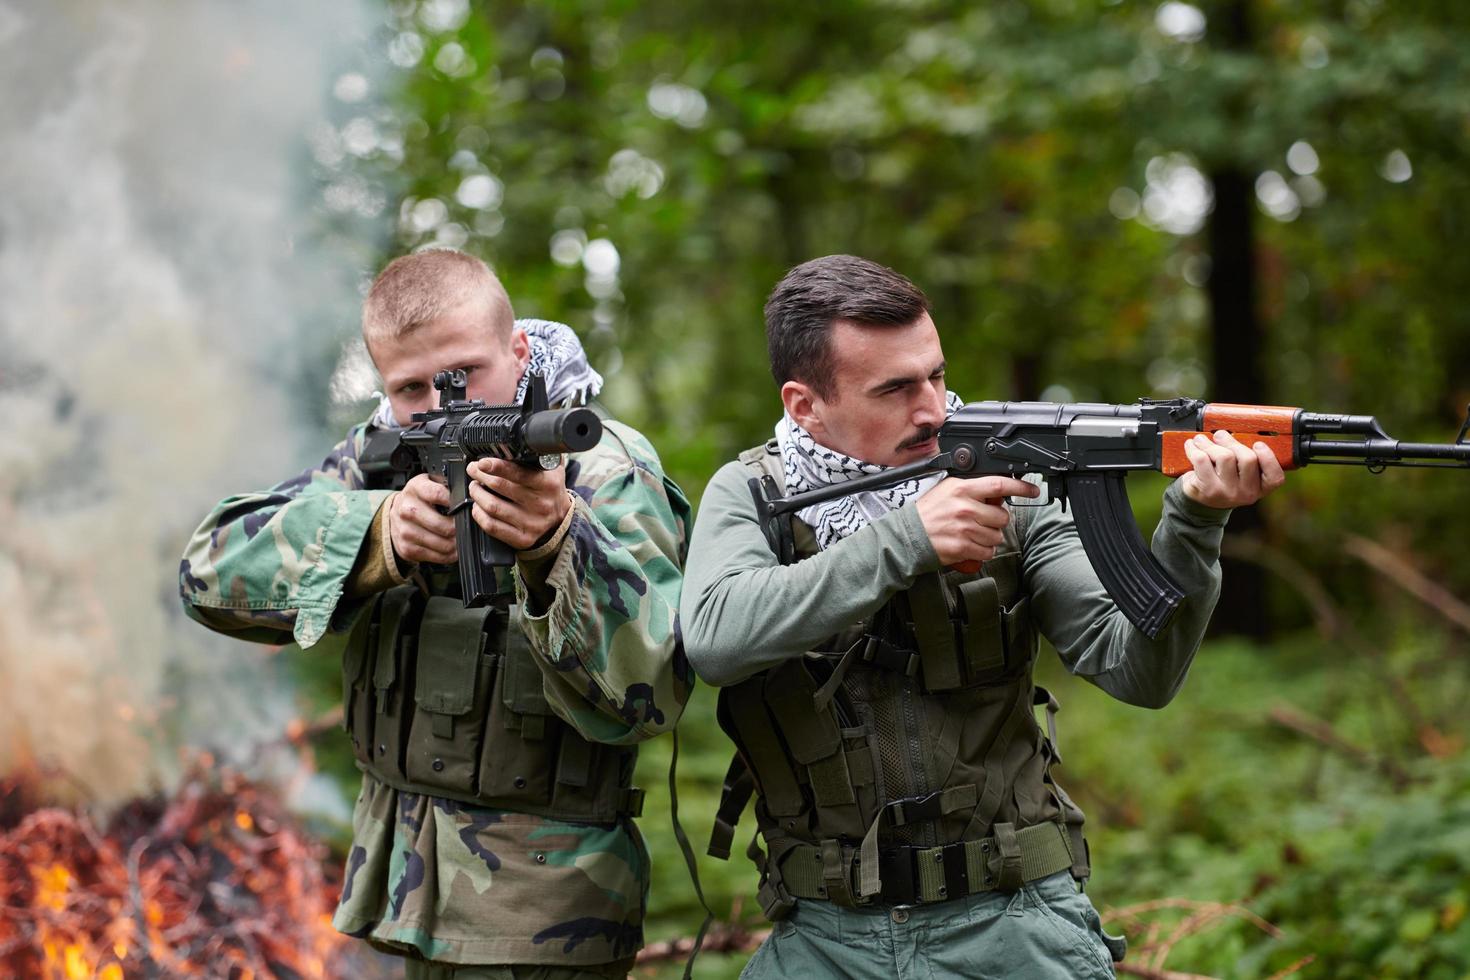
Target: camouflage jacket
x=455 y=882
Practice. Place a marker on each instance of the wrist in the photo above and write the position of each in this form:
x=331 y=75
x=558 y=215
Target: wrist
x=552 y=539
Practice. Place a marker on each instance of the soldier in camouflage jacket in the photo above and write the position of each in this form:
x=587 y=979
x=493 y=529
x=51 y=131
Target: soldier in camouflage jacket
x=601 y=545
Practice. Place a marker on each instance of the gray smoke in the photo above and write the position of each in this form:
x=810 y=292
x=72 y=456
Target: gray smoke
x=160 y=277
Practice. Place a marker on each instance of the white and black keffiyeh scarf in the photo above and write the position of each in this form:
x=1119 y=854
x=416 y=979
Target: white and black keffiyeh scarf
x=810 y=466
x=556 y=355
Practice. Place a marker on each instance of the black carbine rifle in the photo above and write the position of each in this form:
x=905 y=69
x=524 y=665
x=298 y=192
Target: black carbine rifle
x=442 y=442
x=1083 y=451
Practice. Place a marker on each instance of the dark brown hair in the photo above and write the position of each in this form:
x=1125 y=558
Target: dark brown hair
x=814 y=295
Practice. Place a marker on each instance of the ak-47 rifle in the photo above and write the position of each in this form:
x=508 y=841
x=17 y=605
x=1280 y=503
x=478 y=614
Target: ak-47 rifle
x=442 y=442
x=1083 y=451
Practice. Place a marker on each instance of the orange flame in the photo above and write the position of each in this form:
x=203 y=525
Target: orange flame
x=217 y=875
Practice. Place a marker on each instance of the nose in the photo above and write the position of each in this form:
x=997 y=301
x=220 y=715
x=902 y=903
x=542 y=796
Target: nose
x=929 y=412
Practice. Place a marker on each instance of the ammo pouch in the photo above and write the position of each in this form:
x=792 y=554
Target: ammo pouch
x=970 y=632
x=448 y=701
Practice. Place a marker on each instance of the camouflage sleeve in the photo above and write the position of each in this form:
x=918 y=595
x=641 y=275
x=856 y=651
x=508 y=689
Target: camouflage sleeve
x=270 y=566
x=608 y=643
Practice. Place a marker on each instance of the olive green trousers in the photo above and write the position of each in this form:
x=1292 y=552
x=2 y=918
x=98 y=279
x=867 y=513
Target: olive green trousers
x=1046 y=931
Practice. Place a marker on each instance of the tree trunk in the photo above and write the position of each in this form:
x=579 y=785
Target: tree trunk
x=1237 y=341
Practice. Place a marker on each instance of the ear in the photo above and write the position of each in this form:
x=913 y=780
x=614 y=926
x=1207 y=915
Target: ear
x=520 y=349
x=805 y=406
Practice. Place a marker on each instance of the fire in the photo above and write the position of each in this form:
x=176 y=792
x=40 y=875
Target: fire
x=77 y=968
x=218 y=876
x=52 y=883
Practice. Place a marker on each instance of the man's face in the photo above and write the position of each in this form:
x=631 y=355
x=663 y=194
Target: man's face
x=887 y=399
x=464 y=338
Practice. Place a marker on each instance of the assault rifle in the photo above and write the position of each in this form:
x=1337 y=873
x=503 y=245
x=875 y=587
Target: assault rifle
x=1083 y=452
x=442 y=442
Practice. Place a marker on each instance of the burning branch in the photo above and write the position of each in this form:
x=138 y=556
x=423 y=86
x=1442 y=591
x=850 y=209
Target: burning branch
x=215 y=880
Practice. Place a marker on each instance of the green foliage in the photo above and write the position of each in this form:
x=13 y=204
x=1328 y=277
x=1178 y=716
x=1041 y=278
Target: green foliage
x=1218 y=803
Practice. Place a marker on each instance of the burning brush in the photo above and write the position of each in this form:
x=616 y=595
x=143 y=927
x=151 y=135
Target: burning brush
x=216 y=881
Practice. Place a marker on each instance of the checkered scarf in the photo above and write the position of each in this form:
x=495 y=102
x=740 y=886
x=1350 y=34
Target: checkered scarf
x=811 y=466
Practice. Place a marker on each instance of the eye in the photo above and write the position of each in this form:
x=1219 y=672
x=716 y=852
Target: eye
x=412 y=388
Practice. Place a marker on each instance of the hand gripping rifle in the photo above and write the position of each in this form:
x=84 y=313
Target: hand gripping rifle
x=442 y=442
x=1083 y=451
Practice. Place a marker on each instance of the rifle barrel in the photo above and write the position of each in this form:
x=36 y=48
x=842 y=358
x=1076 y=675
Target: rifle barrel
x=1390 y=452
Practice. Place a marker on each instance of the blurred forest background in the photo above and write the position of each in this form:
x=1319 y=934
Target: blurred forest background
x=1242 y=200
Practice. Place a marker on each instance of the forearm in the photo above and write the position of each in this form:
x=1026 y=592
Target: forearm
x=600 y=612
x=1093 y=637
x=743 y=611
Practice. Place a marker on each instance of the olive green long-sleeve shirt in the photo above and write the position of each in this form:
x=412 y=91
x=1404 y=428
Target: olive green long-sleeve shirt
x=743 y=612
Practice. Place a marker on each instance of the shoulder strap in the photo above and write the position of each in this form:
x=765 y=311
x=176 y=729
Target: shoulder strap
x=792 y=539
x=767 y=482
x=689 y=859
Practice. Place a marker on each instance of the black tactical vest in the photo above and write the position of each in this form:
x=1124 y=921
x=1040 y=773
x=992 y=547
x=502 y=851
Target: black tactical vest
x=902 y=762
x=447 y=701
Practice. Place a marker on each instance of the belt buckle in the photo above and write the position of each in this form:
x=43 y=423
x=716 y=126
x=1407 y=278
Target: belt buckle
x=896 y=867
x=956 y=871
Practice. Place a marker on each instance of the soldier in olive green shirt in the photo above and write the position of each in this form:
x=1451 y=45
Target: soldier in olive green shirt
x=879 y=690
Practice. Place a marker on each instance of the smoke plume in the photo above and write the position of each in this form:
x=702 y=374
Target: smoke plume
x=157 y=278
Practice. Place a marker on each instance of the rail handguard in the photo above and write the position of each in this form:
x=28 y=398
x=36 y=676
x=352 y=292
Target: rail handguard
x=444 y=441
x=1083 y=451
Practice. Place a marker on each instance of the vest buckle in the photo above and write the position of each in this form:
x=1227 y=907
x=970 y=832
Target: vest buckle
x=889 y=656
x=630 y=802
x=912 y=809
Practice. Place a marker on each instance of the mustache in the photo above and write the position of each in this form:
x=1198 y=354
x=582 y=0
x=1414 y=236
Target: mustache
x=918 y=439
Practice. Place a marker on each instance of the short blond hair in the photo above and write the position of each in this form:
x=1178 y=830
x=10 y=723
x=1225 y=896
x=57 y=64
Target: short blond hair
x=416 y=288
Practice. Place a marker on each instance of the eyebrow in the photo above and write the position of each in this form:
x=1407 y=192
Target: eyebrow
x=900 y=381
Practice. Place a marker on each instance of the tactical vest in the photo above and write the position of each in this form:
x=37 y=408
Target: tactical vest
x=447 y=701
x=902 y=762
